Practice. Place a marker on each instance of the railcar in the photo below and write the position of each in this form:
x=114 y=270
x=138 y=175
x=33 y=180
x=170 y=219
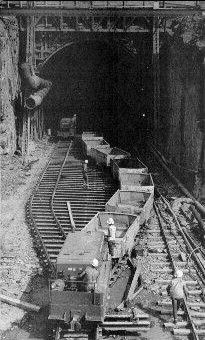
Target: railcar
x=67 y=127
x=139 y=182
x=88 y=134
x=127 y=166
x=127 y=227
x=73 y=308
x=93 y=142
x=131 y=202
x=104 y=155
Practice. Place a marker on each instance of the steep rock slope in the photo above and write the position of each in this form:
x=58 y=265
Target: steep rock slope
x=9 y=83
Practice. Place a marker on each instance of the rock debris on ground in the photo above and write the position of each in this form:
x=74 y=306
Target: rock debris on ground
x=19 y=263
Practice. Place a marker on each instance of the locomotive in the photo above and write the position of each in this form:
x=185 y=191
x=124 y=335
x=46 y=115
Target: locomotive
x=72 y=308
x=67 y=127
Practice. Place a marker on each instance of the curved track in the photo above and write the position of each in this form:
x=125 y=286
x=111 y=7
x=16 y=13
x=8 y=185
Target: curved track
x=62 y=181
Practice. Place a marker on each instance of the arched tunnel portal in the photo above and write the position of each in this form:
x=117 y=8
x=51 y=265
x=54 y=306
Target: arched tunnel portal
x=107 y=85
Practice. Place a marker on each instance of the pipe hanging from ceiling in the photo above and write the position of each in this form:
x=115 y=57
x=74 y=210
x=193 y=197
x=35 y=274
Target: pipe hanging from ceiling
x=33 y=82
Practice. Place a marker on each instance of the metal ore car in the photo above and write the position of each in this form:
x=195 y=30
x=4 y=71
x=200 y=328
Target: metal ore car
x=73 y=305
x=131 y=202
x=138 y=182
x=104 y=155
x=127 y=227
x=127 y=166
x=94 y=142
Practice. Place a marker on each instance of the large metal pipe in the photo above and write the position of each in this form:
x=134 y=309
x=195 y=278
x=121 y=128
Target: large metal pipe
x=36 y=99
x=33 y=82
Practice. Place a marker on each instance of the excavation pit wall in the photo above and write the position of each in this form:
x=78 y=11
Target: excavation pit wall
x=179 y=131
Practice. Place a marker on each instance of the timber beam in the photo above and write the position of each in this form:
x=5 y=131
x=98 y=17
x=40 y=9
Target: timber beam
x=105 y=12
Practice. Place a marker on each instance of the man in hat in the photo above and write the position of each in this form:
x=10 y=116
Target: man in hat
x=112 y=240
x=90 y=275
x=178 y=292
x=85 y=173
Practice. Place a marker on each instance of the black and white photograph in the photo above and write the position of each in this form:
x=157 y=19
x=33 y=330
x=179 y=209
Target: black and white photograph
x=102 y=170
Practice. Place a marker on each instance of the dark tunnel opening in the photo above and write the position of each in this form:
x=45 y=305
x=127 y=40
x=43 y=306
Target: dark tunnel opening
x=106 y=84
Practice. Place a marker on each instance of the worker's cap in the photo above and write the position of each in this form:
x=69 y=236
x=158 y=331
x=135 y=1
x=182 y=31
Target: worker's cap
x=95 y=263
x=110 y=221
x=179 y=273
x=86 y=161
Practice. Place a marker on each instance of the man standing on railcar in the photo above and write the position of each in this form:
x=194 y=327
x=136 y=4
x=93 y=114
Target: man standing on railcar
x=90 y=275
x=112 y=240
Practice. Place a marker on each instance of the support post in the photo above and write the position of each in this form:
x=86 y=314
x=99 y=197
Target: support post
x=156 y=76
x=30 y=60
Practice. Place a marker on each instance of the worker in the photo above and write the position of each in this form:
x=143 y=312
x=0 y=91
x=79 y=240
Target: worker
x=178 y=291
x=111 y=239
x=85 y=173
x=58 y=285
x=111 y=230
x=90 y=275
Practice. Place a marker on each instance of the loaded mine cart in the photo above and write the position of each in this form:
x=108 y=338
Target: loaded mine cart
x=67 y=127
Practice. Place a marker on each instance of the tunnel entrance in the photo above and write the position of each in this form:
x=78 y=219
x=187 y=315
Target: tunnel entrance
x=106 y=84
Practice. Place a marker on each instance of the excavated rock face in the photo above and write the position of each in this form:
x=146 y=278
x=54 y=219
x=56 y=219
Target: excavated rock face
x=9 y=83
x=182 y=112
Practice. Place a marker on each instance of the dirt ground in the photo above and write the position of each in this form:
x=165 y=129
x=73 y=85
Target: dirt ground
x=21 y=272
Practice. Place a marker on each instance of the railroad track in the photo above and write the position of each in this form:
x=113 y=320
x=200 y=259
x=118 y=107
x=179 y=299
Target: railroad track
x=168 y=246
x=62 y=181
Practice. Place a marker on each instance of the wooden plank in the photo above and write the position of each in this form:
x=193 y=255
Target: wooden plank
x=71 y=216
x=134 y=283
x=172 y=325
x=19 y=303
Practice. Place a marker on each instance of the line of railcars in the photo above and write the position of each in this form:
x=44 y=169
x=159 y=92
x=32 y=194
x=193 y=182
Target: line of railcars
x=72 y=308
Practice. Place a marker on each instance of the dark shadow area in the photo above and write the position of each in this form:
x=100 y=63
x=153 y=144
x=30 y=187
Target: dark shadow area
x=104 y=84
x=34 y=324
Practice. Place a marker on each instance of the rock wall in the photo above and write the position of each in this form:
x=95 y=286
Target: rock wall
x=179 y=136
x=9 y=83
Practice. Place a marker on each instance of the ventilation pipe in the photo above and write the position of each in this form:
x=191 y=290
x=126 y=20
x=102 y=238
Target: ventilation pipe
x=34 y=82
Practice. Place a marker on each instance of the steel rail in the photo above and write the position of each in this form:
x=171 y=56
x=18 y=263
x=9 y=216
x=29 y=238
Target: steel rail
x=198 y=205
x=195 y=243
x=183 y=235
x=31 y=220
x=194 y=331
x=54 y=191
x=43 y=214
